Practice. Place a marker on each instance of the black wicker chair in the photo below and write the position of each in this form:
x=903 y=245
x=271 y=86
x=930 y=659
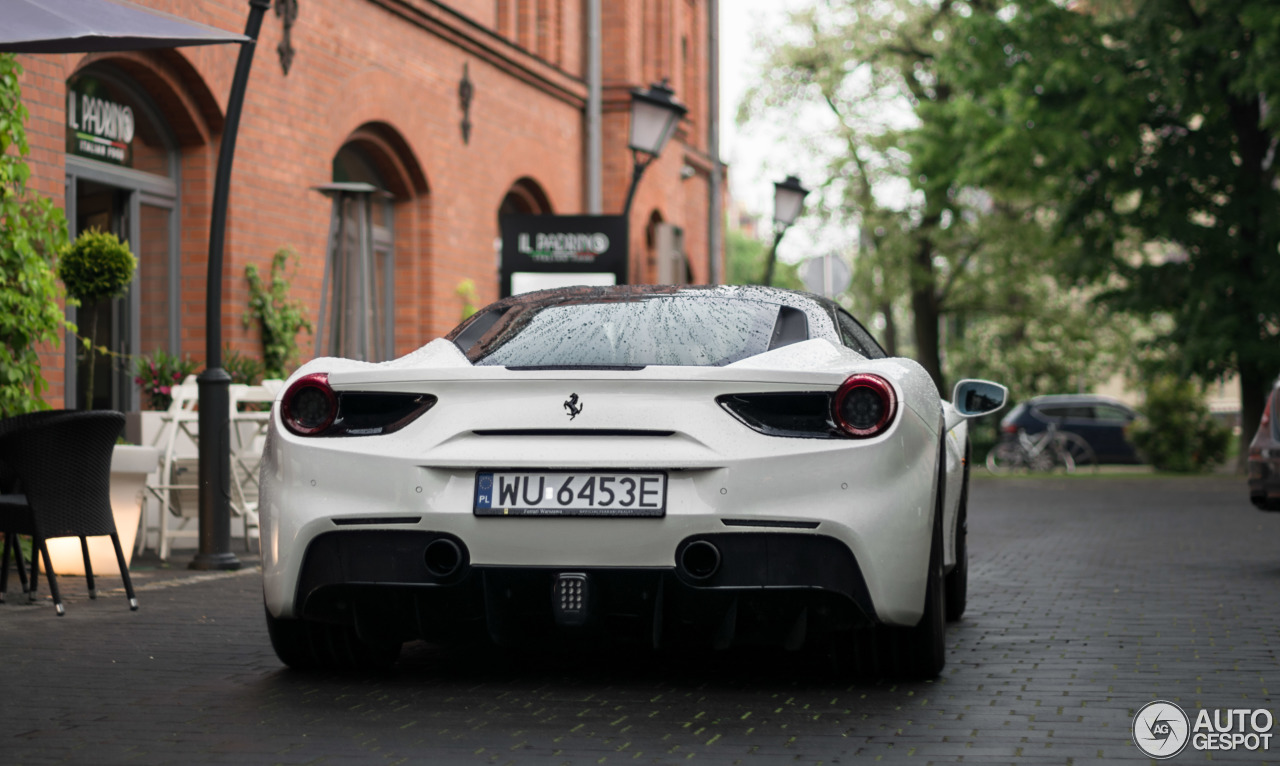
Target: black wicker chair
x=9 y=486
x=62 y=464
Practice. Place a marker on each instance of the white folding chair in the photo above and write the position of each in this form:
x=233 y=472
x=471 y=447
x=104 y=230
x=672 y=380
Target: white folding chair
x=250 y=415
x=177 y=486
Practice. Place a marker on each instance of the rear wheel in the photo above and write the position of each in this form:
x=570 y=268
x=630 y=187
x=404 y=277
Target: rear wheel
x=921 y=652
x=917 y=652
x=309 y=645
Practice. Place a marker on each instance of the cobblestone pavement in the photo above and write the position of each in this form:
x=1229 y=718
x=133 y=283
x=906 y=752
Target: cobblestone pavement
x=1089 y=598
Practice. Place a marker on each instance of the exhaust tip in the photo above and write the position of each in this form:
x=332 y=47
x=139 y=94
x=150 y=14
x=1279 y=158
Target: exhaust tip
x=442 y=556
x=700 y=559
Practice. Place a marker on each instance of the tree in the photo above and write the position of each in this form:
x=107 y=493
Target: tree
x=1147 y=130
x=745 y=260
x=32 y=232
x=869 y=66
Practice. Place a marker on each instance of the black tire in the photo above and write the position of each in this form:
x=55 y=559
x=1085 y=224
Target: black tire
x=920 y=653
x=957 y=580
x=915 y=653
x=308 y=645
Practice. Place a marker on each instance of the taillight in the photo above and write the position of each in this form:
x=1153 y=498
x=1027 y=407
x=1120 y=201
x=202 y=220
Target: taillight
x=1009 y=428
x=864 y=406
x=309 y=406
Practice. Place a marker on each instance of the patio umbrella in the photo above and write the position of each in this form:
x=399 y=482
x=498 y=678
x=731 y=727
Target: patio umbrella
x=90 y=26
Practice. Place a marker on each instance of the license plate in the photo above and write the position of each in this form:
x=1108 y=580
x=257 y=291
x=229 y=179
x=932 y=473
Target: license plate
x=562 y=493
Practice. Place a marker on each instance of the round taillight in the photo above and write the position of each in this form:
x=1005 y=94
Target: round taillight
x=309 y=406
x=864 y=406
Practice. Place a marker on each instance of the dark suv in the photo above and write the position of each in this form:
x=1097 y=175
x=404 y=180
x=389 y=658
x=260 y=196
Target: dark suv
x=1100 y=420
x=1264 y=456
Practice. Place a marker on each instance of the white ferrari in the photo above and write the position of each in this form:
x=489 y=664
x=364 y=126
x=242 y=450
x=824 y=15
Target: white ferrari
x=668 y=465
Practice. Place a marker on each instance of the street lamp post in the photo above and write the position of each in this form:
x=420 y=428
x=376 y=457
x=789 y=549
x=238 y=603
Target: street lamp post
x=788 y=201
x=215 y=401
x=654 y=116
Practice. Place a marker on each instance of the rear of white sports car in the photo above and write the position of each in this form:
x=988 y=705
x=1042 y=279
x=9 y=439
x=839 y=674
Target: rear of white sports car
x=782 y=497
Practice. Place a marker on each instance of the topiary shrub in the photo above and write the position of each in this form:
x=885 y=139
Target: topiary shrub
x=97 y=267
x=1177 y=433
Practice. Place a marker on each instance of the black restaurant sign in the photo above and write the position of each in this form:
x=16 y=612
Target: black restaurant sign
x=98 y=126
x=555 y=250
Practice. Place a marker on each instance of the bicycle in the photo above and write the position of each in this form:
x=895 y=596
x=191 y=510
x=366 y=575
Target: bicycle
x=1044 y=452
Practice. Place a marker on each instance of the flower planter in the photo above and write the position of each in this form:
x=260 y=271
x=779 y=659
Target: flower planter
x=129 y=468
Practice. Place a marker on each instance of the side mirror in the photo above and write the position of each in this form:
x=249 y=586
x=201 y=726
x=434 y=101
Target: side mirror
x=975 y=398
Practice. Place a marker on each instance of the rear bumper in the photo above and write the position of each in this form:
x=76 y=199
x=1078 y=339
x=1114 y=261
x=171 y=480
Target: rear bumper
x=773 y=588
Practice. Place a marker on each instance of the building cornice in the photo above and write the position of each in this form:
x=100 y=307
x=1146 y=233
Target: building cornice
x=485 y=44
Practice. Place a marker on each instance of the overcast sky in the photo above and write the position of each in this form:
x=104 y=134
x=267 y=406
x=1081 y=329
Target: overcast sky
x=753 y=157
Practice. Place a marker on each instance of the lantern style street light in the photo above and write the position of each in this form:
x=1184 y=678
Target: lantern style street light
x=654 y=116
x=788 y=201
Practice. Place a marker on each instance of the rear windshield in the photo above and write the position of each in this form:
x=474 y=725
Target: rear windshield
x=625 y=334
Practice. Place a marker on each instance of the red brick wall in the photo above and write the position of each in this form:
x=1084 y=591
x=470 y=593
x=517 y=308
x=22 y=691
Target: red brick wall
x=390 y=69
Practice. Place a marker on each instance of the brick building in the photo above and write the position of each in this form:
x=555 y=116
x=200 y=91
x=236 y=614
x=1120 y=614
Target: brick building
x=424 y=119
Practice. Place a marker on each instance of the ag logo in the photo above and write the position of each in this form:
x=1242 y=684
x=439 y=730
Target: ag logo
x=1161 y=729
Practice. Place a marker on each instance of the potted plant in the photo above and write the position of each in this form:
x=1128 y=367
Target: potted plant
x=157 y=374
x=98 y=266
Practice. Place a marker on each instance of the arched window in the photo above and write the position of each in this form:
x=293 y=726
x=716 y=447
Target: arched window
x=525 y=197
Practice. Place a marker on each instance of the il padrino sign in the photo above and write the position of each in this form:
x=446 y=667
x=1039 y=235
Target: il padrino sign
x=98 y=126
x=541 y=251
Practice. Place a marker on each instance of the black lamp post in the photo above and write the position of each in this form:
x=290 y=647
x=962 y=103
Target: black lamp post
x=654 y=116
x=214 y=550
x=788 y=201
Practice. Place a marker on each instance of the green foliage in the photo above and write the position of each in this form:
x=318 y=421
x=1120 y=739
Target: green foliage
x=1047 y=341
x=1148 y=129
x=98 y=266
x=857 y=78
x=466 y=290
x=1178 y=434
x=243 y=369
x=157 y=374
x=32 y=232
x=280 y=318
x=744 y=263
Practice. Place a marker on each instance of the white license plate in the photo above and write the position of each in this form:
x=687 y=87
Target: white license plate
x=562 y=493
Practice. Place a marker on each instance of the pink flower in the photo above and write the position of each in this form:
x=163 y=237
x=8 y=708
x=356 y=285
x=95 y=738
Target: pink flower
x=164 y=390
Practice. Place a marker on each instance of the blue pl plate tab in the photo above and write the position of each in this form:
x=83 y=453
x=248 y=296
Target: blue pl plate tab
x=484 y=491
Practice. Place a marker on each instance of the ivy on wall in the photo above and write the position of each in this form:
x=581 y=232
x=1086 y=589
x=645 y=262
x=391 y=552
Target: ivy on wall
x=32 y=233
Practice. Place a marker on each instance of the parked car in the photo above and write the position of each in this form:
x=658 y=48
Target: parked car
x=706 y=465
x=1100 y=420
x=1264 y=456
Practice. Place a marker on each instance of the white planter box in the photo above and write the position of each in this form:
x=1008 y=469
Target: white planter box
x=129 y=468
